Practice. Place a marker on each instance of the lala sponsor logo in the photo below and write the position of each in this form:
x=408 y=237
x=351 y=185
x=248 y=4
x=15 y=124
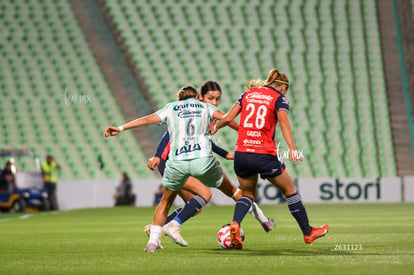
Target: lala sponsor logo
x=188 y=149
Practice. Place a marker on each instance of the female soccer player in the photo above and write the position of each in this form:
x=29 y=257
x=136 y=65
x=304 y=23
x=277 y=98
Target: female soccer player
x=262 y=106
x=190 y=154
x=193 y=190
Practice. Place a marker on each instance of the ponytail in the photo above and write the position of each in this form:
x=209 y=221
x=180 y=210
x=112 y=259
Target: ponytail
x=273 y=76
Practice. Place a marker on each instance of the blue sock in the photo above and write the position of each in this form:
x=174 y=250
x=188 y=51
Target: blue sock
x=242 y=207
x=173 y=214
x=298 y=211
x=190 y=208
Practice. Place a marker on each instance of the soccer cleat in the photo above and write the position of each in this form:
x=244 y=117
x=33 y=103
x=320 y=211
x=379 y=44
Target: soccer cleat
x=147 y=231
x=317 y=232
x=236 y=241
x=174 y=232
x=150 y=248
x=269 y=225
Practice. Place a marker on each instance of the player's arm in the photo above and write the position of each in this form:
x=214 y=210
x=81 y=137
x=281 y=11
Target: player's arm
x=147 y=120
x=221 y=151
x=233 y=124
x=227 y=118
x=287 y=134
x=155 y=160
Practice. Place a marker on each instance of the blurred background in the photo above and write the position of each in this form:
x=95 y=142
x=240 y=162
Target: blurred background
x=71 y=68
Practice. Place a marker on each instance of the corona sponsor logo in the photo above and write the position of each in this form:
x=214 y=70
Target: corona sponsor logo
x=188 y=105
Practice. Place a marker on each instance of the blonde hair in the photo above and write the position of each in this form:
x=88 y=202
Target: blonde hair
x=186 y=92
x=273 y=77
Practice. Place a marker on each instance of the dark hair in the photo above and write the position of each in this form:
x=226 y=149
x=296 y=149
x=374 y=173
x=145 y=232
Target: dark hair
x=209 y=86
x=187 y=92
x=125 y=176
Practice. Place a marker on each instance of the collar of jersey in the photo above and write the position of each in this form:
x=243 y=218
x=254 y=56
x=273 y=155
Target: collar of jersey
x=274 y=89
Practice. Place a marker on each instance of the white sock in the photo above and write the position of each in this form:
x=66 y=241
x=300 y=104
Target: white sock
x=155 y=234
x=257 y=213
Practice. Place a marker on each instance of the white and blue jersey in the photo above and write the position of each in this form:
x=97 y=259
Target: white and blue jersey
x=188 y=126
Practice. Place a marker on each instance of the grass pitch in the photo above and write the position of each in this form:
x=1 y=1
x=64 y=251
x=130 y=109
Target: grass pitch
x=363 y=239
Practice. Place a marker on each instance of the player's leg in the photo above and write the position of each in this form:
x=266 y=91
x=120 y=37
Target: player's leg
x=195 y=187
x=204 y=170
x=159 y=219
x=248 y=186
x=175 y=175
x=186 y=196
x=297 y=209
x=229 y=189
x=195 y=195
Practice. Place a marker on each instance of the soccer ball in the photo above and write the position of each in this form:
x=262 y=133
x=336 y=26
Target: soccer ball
x=223 y=236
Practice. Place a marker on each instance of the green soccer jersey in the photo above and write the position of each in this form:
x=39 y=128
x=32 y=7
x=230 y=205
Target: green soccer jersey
x=188 y=125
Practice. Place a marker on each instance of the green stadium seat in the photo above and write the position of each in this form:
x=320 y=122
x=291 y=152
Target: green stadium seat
x=228 y=41
x=40 y=86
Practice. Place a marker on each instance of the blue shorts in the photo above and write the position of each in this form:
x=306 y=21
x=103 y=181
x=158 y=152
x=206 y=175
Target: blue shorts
x=249 y=164
x=161 y=166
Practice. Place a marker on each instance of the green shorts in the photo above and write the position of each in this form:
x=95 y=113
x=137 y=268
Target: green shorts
x=207 y=170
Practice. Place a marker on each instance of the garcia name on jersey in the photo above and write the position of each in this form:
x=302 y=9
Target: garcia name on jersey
x=258 y=120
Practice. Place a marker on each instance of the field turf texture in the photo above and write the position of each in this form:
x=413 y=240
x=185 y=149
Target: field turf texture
x=363 y=239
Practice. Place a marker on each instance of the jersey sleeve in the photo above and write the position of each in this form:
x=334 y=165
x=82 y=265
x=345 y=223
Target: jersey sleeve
x=218 y=150
x=282 y=104
x=211 y=109
x=240 y=99
x=162 y=113
x=163 y=143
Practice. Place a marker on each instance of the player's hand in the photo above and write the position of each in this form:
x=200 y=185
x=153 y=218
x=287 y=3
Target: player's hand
x=230 y=156
x=111 y=131
x=296 y=156
x=213 y=131
x=153 y=162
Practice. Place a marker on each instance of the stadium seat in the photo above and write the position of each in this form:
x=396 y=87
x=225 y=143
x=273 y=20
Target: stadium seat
x=330 y=51
x=50 y=57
